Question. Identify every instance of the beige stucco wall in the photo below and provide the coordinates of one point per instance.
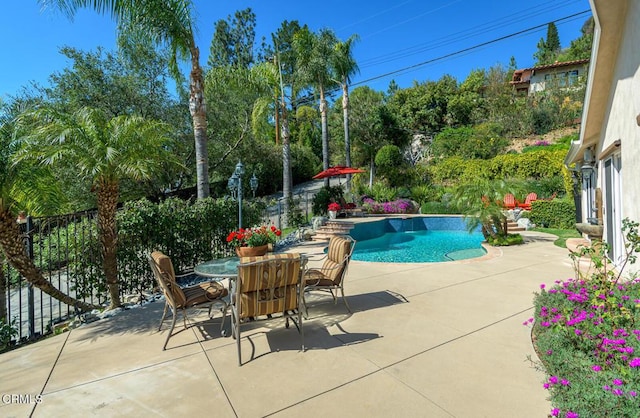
(538, 82)
(624, 106)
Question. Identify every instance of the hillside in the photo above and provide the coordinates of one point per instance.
(517, 144)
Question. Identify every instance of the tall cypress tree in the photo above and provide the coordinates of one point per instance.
(549, 49)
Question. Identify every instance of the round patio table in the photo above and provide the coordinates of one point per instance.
(223, 268)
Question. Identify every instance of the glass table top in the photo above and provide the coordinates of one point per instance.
(220, 267)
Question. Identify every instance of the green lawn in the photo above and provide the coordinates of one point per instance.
(562, 234)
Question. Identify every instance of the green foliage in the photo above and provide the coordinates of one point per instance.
(528, 166)
(390, 164)
(7, 332)
(295, 217)
(233, 40)
(504, 241)
(556, 213)
(189, 232)
(480, 142)
(382, 193)
(452, 170)
(443, 207)
(548, 49)
(325, 196)
(304, 163)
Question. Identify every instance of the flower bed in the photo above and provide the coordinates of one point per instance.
(397, 206)
(587, 334)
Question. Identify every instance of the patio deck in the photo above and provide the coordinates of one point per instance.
(434, 340)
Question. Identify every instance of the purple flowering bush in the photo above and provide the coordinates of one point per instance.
(587, 335)
(397, 206)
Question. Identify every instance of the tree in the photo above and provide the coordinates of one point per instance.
(164, 22)
(131, 81)
(344, 65)
(233, 40)
(580, 48)
(28, 187)
(104, 150)
(549, 49)
(314, 52)
(481, 203)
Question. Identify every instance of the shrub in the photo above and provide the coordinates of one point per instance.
(587, 336)
(325, 196)
(505, 240)
(443, 208)
(556, 213)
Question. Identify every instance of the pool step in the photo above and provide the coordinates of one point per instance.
(332, 228)
(513, 227)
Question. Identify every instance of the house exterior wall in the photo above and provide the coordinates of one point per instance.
(563, 76)
(620, 119)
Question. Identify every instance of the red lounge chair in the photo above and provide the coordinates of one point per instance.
(527, 201)
(509, 201)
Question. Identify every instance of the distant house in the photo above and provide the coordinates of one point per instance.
(559, 74)
(610, 129)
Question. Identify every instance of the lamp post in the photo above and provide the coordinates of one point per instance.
(235, 187)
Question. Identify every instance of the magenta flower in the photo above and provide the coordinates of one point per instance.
(571, 414)
(555, 412)
(635, 362)
(565, 382)
(553, 380)
(542, 286)
(618, 382)
(596, 368)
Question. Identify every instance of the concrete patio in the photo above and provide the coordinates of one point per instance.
(431, 340)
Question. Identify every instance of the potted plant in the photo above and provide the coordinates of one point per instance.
(250, 242)
(333, 209)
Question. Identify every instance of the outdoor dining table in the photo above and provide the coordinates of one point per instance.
(220, 268)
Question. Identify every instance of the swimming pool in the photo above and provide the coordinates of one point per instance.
(418, 239)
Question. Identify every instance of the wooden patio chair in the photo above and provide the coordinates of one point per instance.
(527, 201)
(265, 286)
(181, 299)
(331, 275)
(509, 201)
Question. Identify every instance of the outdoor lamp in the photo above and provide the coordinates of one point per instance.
(253, 183)
(235, 187)
(586, 169)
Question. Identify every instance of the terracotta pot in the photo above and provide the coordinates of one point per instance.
(252, 251)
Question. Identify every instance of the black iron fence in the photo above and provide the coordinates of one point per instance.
(55, 245)
(66, 249)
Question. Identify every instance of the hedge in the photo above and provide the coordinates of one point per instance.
(556, 213)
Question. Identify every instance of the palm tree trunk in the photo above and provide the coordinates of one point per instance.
(3, 292)
(107, 200)
(347, 141)
(13, 247)
(286, 162)
(325, 134)
(198, 110)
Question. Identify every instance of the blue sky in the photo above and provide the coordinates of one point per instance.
(393, 35)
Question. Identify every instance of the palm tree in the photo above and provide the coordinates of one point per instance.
(481, 203)
(104, 151)
(344, 66)
(314, 52)
(28, 187)
(165, 22)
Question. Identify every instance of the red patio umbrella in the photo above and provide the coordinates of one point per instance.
(338, 170)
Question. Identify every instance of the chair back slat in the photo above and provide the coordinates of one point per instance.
(267, 284)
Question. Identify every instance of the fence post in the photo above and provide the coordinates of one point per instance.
(28, 242)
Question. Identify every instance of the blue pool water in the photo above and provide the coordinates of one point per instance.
(416, 240)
